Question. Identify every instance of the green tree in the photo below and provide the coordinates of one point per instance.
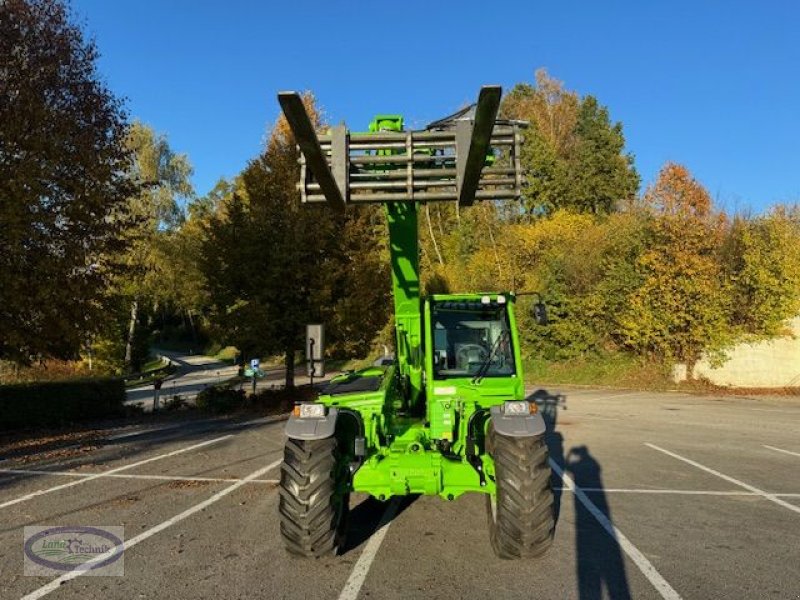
(573, 155)
(64, 182)
(273, 265)
(163, 180)
(600, 173)
(762, 260)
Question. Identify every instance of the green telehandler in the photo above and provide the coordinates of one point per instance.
(449, 415)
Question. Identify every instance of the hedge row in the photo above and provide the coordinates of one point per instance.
(60, 402)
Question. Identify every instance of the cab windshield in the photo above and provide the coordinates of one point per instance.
(470, 339)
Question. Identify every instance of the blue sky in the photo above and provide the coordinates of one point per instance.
(713, 85)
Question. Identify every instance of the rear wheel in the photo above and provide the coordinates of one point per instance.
(521, 518)
(313, 515)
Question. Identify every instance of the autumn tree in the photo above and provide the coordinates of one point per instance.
(182, 280)
(162, 177)
(681, 308)
(64, 182)
(573, 155)
(273, 265)
(762, 262)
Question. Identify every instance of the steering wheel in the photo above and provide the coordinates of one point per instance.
(469, 353)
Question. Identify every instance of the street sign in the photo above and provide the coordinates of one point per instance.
(315, 350)
(254, 362)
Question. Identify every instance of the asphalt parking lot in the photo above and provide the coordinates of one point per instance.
(659, 496)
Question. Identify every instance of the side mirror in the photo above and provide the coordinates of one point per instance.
(315, 350)
(539, 313)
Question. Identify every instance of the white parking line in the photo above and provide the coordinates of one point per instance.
(122, 436)
(661, 491)
(639, 559)
(623, 395)
(589, 490)
(134, 476)
(747, 486)
(773, 410)
(127, 545)
(782, 450)
(116, 470)
(361, 568)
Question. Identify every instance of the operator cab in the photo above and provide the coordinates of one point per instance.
(471, 337)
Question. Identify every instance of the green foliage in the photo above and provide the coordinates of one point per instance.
(64, 183)
(155, 276)
(682, 307)
(152, 274)
(271, 266)
(60, 402)
(666, 280)
(763, 265)
(574, 156)
(105, 265)
(220, 400)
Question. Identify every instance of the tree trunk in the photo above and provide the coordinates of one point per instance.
(439, 219)
(496, 255)
(191, 325)
(433, 236)
(289, 362)
(152, 315)
(131, 332)
(690, 365)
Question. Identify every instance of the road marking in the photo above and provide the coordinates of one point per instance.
(775, 410)
(116, 470)
(662, 491)
(747, 486)
(135, 476)
(674, 492)
(127, 545)
(782, 450)
(263, 420)
(138, 432)
(623, 395)
(361, 568)
(639, 559)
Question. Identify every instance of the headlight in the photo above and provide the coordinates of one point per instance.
(309, 411)
(519, 407)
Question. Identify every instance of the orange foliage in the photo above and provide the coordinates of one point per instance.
(677, 192)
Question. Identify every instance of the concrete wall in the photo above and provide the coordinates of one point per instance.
(766, 364)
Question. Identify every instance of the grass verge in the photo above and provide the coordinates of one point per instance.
(607, 370)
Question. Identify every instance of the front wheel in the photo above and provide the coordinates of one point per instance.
(313, 516)
(521, 517)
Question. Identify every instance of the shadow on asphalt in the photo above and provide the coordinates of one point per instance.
(133, 496)
(365, 518)
(94, 452)
(549, 405)
(600, 569)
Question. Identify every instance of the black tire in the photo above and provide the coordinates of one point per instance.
(313, 517)
(521, 517)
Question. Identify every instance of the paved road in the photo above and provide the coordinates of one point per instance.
(663, 496)
(197, 372)
(194, 374)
